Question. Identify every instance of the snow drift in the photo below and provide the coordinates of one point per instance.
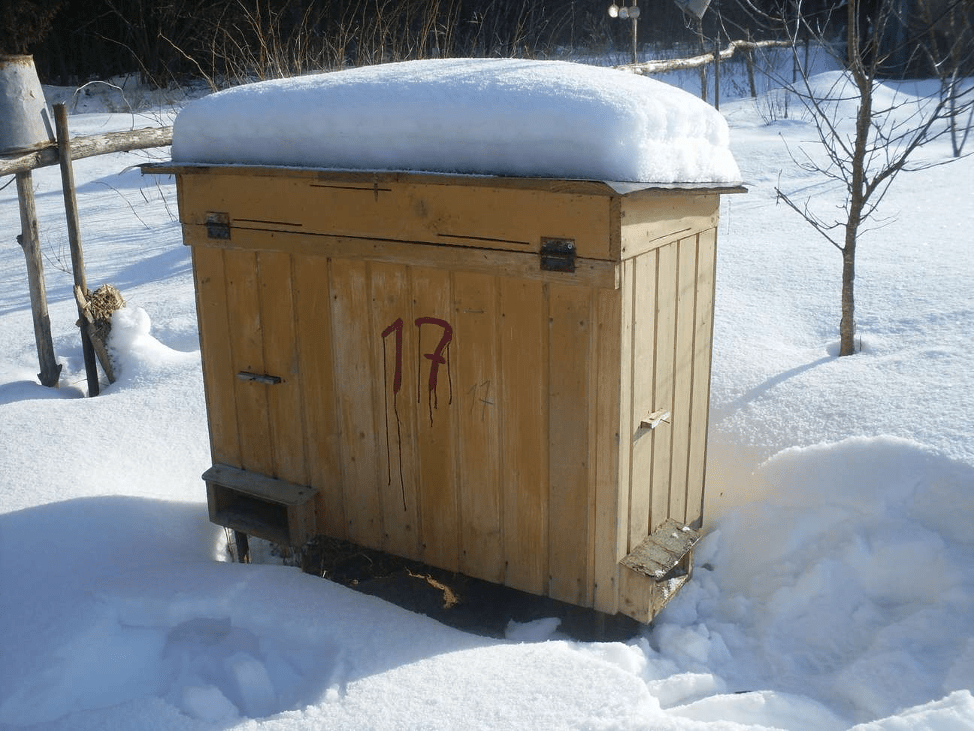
(479, 116)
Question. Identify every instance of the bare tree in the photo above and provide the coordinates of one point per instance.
(863, 153)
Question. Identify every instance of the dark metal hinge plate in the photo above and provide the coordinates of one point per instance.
(217, 225)
(558, 255)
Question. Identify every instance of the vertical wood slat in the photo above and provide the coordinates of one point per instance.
(480, 494)
(247, 349)
(434, 426)
(354, 379)
(312, 301)
(643, 348)
(214, 330)
(700, 399)
(568, 430)
(284, 406)
(683, 376)
(662, 436)
(395, 407)
(522, 342)
(639, 287)
(610, 514)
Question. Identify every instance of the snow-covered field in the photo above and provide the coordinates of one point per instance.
(835, 587)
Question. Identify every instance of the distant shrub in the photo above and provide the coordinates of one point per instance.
(24, 23)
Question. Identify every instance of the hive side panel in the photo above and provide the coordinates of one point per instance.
(662, 436)
(247, 349)
(480, 496)
(569, 313)
(700, 396)
(312, 298)
(432, 349)
(284, 405)
(683, 377)
(392, 326)
(643, 303)
(211, 309)
(611, 488)
(523, 346)
(354, 380)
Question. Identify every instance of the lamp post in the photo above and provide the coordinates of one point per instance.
(630, 12)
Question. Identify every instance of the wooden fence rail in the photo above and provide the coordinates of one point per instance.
(661, 66)
(136, 139)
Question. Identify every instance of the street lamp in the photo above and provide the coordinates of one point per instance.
(630, 12)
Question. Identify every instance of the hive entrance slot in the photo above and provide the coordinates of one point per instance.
(265, 507)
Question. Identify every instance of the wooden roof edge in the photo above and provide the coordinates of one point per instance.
(372, 177)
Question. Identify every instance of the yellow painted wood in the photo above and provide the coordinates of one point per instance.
(642, 354)
(683, 375)
(395, 407)
(588, 272)
(284, 404)
(481, 496)
(355, 380)
(610, 523)
(214, 329)
(312, 302)
(523, 399)
(700, 398)
(569, 317)
(432, 346)
(649, 222)
(448, 399)
(460, 215)
(662, 436)
(247, 349)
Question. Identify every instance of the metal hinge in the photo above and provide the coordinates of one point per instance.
(558, 255)
(217, 225)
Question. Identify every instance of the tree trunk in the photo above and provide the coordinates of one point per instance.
(847, 325)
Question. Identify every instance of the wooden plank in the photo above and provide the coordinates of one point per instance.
(312, 304)
(569, 313)
(636, 595)
(643, 357)
(284, 404)
(523, 346)
(700, 397)
(683, 374)
(480, 496)
(431, 346)
(247, 351)
(218, 374)
(588, 272)
(662, 436)
(257, 485)
(355, 378)
(459, 215)
(611, 485)
(662, 550)
(650, 222)
(395, 407)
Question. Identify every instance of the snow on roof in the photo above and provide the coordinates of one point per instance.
(470, 116)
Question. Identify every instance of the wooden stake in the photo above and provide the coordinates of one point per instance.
(74, 238)
(30, 242)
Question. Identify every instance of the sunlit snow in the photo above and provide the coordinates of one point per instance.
(835, 586)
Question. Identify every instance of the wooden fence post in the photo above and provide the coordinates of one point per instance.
(30, 242)
(74, 239)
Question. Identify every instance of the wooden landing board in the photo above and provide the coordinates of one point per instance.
(662, 551)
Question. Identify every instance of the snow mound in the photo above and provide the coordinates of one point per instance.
(469, 116)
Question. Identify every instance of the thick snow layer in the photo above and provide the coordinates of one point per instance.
(482, 116)
(835, 586)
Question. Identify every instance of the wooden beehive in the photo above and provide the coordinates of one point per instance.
(503, 377)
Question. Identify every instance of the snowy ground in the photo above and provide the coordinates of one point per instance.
(836, 585)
